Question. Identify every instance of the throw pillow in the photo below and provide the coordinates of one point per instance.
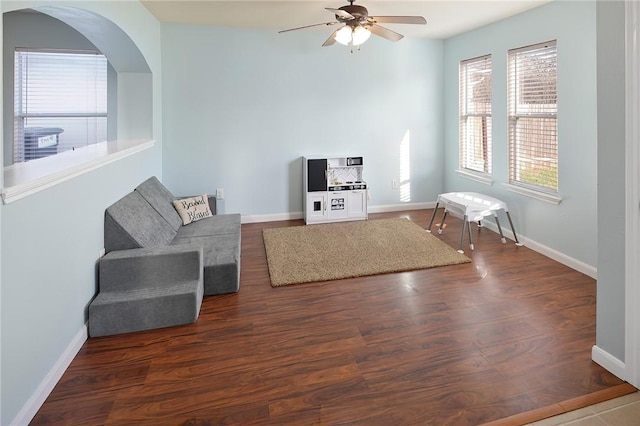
(193, 209)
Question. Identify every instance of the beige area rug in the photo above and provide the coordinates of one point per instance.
(333, 251)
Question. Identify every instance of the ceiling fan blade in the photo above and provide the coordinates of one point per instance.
(308, 26)
(341, 13)
(332, 38)
(397, 20)
(384, 32)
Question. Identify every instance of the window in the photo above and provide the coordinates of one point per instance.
(475, 115)
(60, 102)
(533, 122)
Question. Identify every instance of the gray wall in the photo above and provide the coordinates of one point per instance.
(243, 106)
(50, 241)
(610, 326)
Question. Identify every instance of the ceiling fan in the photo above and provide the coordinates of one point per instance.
(357, 25)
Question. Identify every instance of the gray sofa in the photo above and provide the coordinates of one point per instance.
(157, 270)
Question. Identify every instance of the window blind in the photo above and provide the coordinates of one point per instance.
(60, 102)
(475, 114)
(533, 124)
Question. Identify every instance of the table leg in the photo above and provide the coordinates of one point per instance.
(444, 216)
(471, 246)
(502, 238)
(464, 224)
(433, 216)
(515, 237)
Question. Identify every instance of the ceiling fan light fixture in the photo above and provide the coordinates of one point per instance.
(352, 35)
(360, 35)
(343, 35)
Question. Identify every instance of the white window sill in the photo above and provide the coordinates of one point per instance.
(542, 196)
(478, 177)
(24, 179)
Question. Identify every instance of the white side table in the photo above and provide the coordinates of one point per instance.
(471, 207)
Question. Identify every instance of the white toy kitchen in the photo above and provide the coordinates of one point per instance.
(333, 189)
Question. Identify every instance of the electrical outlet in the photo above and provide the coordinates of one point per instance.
(220, 193)
(394, 184)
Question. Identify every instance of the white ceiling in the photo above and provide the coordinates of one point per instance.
(445, 18)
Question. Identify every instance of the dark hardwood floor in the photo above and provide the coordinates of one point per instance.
(506, 335)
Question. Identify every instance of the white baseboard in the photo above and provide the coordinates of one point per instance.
(546, 251)
(572, 263)
(31, 407)
(401, 207)
(372, 209)
(608, 362)
(271, 217)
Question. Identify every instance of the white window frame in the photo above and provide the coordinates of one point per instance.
(533, 102)
(49, 99)
(475, 130)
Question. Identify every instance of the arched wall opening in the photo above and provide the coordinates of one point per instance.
(130, 100)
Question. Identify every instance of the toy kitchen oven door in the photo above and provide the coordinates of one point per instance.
(337, 205)
(347, 201)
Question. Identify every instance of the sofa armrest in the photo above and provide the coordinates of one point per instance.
(212, 204)
(150, 267)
